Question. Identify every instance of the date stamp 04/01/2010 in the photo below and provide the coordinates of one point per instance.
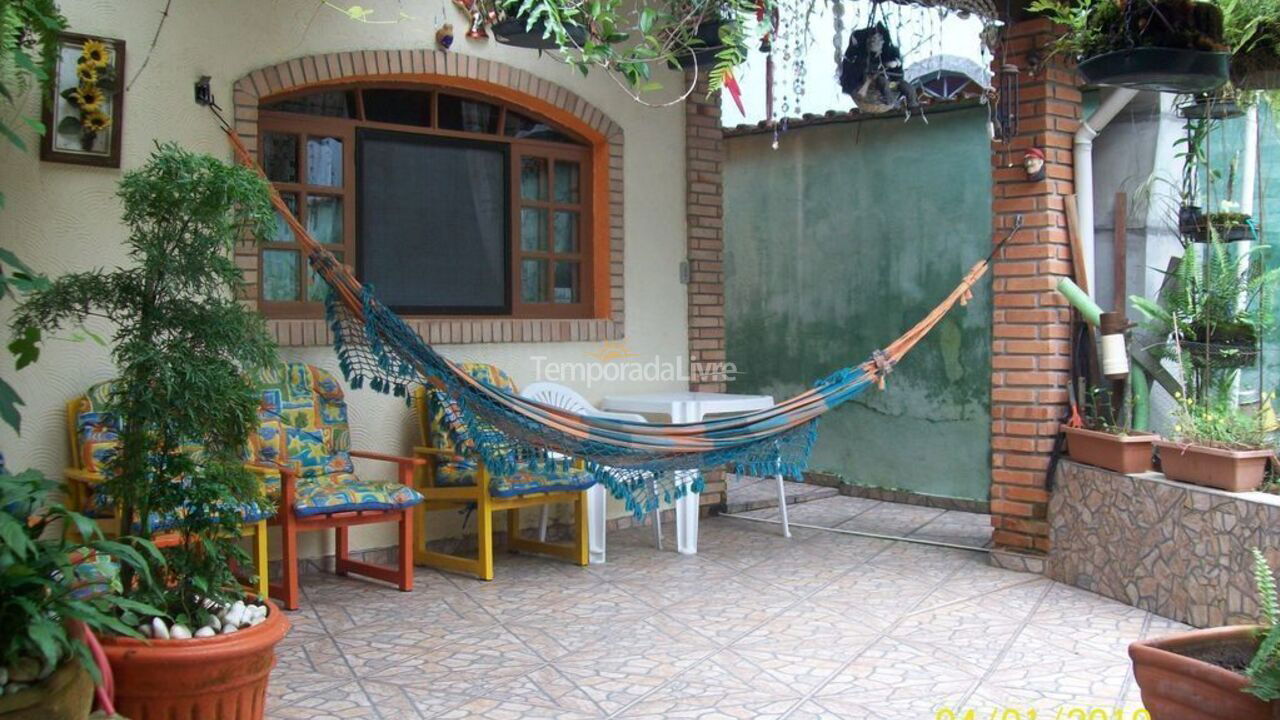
(1064, 712)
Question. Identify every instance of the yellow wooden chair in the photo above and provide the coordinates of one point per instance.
(450, 480)
(92, 435)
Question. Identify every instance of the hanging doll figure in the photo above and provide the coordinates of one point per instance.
(872, 72)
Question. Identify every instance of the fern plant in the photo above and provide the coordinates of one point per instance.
(1264, 669)
(1211, 314)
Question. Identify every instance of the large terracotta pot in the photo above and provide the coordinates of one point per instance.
(1234, 470)
(1118, 453)
(1177, 687)
(223, 677)
(67, 694)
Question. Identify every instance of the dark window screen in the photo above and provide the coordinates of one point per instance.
(433, 222)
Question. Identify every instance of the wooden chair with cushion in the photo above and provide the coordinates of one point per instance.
(451, 480)
(93, 435)
(304, 442)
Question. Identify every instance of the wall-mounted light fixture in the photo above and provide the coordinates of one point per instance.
(204, 91)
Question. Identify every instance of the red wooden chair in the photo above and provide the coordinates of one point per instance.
(302, 448)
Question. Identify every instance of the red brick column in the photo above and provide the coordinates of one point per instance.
(704, 208)
(1031, 328)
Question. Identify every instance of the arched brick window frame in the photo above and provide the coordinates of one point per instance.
(501, 81)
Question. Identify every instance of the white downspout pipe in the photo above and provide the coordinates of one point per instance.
(1249, 166)
(1111, 105)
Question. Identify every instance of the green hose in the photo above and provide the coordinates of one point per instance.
(1081, 301)
(1140, 390)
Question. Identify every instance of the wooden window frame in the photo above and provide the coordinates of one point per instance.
(584, 153)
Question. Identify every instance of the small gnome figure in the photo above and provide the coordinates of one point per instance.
(444, 36)
(1033, 162)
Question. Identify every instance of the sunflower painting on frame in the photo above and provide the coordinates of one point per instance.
(82, 116)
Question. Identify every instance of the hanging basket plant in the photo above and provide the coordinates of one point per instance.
(1255, 64)
(516, 32)
(1163, 45)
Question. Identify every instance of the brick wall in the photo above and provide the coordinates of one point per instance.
(1030, 338)
(704, 164)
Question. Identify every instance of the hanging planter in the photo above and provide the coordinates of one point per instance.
(1158, 69)
(1226, 346)
(516, 33)
(1215, 106)
(704, 54)
(1226, 226)
(1172, 46)
(1255, 65)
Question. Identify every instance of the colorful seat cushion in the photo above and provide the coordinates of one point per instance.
(344, 492)
(446, 425)
(524, 481)
(303, 421)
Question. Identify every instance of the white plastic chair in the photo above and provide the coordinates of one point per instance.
(565, 398)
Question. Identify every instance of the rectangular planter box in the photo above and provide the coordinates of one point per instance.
(1126, 454)
(1233, 470)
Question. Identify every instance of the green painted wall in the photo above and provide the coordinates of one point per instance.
(836, 243)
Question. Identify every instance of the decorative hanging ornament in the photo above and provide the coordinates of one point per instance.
(476, 16)
(871, 73)
(1007, 103)
(444, 36)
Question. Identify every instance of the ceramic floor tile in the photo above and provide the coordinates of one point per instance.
(822, 625)
(828, 512)
(892, 519)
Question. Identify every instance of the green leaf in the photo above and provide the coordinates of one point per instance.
(70, 125)
(14, 536)
(26, 347)
(647, 16)
(8, 132)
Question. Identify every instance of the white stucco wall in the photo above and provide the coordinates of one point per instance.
(60, 218)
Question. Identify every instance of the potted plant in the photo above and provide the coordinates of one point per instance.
(1166, 45)
(1227, 673)
(1210, 314)
(183, 407)
(1252, 28)
(1217, 444)
(1106, 440)
(518, 27)
(48, 585)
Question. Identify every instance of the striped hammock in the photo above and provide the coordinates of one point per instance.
(376, 347)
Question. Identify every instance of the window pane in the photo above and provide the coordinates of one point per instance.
(335, 103)
(324, 161)
(567, 182)
(533, 229)
(533, 280)
(533, 178)
(324, 218)
(519, 126)
(403, 107)
(468, 115)
(284, 233)
(280, 275)
(566, 230)
(566, 282)
(435, 222)
(280, 157)
(318, 289)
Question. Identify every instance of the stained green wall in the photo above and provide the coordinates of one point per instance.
(835, 244)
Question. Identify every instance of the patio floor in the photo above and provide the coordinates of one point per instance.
(823, 625)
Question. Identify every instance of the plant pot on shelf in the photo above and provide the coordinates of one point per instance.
(67, 694)
(224, 676)
(516, 33)
(1233, 470)
(1182, 676)
(1160, 69)
(1119, 453)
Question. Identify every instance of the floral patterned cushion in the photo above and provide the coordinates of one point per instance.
(303, 420)
(524, 481)
(446, 422)
(344, 492)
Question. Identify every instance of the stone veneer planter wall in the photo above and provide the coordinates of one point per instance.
(1178, 550)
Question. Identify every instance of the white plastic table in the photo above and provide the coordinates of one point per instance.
(691, 407)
